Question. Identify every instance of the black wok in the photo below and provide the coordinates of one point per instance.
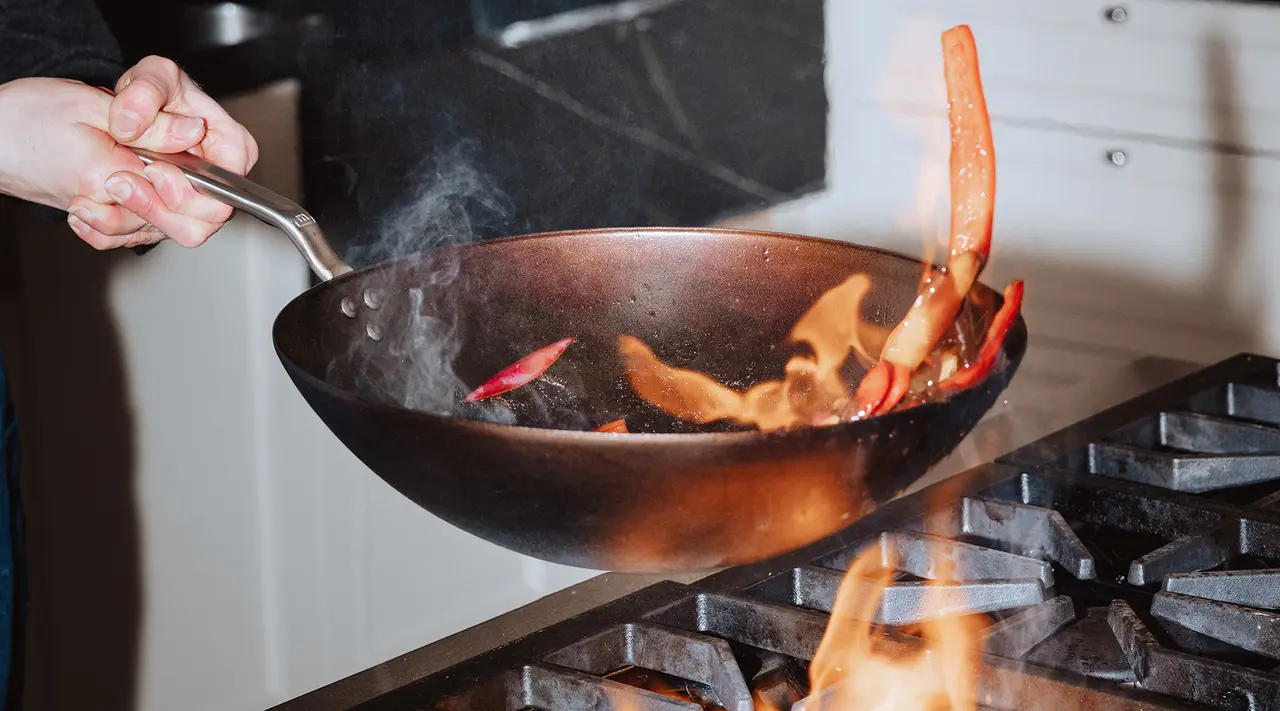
(368, 349)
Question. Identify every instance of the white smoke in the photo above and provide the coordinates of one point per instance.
(413, 365)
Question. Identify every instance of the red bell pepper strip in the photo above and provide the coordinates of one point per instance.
(615, 427)
(973, 192)
(881, 389)
(992, 341)
(520, 372)
(973, 157)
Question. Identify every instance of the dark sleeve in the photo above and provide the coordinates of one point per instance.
(57, 38)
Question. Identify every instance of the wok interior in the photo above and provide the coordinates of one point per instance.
(719, 302)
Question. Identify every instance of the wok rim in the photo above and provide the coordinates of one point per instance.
(1016, 336)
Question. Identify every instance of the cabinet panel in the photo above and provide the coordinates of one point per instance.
(1193, 71)
(1172, 250)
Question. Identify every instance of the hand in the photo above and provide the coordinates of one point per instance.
(62, 144)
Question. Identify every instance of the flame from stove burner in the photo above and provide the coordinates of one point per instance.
(853, 671)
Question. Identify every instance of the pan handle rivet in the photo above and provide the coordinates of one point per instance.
(374, 331)
(371, 299)
(349, 306)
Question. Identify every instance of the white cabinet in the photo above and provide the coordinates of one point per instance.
(1185, 70)
(1172, 251)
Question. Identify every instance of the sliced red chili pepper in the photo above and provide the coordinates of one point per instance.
(880, 390)
(973, 157)
(992, 341)
(520, 372)
(615, 427)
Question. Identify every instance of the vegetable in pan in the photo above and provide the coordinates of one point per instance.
(911, 366)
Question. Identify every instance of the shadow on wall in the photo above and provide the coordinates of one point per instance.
(78, 468)
(1231, 178)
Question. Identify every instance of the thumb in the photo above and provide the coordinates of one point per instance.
(137, 116)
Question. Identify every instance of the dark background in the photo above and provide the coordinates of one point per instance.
(411, 110)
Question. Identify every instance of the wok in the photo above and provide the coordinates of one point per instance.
(385, 353)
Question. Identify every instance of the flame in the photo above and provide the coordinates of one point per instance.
(851, 671)
(896, 96)
(854, 669)
(812, 390)
(811, 393)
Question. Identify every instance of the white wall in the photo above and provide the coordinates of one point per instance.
(1174, 251)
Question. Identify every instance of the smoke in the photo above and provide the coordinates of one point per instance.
(450, 200)
(413, 365)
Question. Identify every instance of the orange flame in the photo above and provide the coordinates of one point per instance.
(851, 671)
(855, 669)
(812, 390)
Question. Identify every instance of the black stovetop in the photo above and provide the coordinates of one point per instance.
(1127, 562)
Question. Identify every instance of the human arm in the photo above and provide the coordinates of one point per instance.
(63, 142)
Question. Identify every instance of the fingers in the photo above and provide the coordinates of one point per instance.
(103, 242)
(109, 226)
(156, 106)
(143, 112)
(107, 218)
(178, 194)
(171, 133)
(231, 147)
(142, 93)
(156, 88)
(138, 195)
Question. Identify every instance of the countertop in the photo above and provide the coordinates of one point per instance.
(1058, 384)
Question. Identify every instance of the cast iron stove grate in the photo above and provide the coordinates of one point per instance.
(1130, 561)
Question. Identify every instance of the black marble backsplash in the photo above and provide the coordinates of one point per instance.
(417, 122)
(699, 110)
(491, 15)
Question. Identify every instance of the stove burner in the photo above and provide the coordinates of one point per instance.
(707, 662)
(902, 603)
(1015, 636)
(918, 554)
(540, 687)
(1128, 562)
(1236, 607)
(1211, 548)
(1207, 681)
(1030, 531)
(1255, 588)
(1189, 452)
(1087, 648)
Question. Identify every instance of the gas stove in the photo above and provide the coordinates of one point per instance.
(1129, 561)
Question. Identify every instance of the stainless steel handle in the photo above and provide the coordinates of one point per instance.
(275, 210)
